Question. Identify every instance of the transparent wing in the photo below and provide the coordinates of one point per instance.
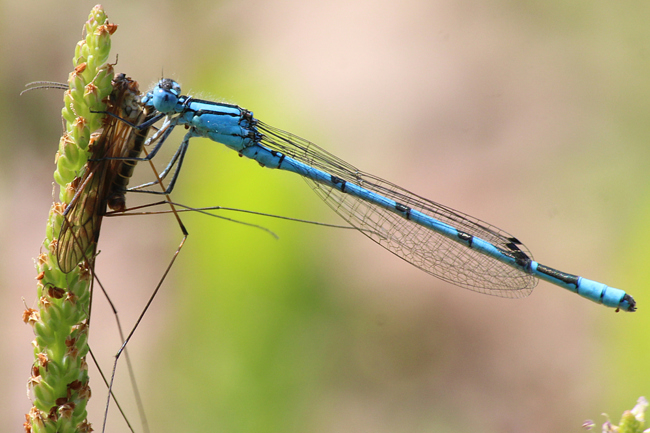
(83, 216)
(420, 246)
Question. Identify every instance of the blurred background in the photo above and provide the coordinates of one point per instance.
(531, 115)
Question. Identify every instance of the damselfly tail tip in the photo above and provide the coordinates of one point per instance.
(627, 304)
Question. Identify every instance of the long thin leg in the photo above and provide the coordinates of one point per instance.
(166, 129)
(178, 156)
(91, 268)
(143, 125)
(151, 298)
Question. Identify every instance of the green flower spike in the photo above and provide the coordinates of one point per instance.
(59, 380)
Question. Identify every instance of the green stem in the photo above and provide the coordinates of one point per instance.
(59, 380)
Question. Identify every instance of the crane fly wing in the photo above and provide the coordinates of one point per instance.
(83, 216)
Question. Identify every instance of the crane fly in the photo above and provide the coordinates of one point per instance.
(103, 182)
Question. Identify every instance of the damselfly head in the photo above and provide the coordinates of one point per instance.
(164, 96)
